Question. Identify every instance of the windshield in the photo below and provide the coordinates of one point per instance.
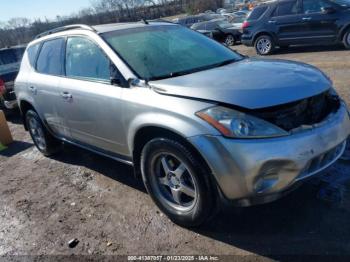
(165, 51)
(345, 3)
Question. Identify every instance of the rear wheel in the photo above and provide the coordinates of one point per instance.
(43, 140)
(264, 45)
(177, 182)
(230, 40)
(346, 39)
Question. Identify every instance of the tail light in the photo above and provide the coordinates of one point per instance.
(2, 87)
(245, 24)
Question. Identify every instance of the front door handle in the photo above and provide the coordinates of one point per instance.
(66, 96)
(272, 22)
(307, 18)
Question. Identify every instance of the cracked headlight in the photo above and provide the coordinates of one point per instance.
(234, 124)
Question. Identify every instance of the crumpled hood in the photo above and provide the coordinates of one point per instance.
(251, 83)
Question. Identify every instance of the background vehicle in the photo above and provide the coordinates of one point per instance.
(173, 103)
(188, 21)
(297, 22)
(220, 30)
(10, 59)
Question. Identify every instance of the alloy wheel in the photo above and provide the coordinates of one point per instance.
(230, 40)
(37, 133)
(173, 182)
(264, 46)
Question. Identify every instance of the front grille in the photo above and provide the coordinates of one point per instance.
(322, 161)
(306, 112)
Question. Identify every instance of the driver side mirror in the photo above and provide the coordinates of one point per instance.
(328, 10)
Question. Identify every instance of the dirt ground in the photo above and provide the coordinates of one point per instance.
(45, 202)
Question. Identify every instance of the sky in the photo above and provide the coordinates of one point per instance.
(40, 8)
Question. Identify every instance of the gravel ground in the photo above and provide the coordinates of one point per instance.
(45, 202)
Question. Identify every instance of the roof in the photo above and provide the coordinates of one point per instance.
(104, 28)
(122, 26)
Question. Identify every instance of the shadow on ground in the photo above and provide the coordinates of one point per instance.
(298, 224)
(308, 49)
(108, 167)
(15, 148)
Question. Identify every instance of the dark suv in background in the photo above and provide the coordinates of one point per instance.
(10, 59)
(297, 22)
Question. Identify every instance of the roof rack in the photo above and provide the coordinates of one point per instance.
(65, 28)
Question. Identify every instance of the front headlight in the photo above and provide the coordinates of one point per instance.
(232, 123)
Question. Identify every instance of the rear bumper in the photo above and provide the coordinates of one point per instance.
(258, 171)
(9, 98)
(247, 40)
(11, 104)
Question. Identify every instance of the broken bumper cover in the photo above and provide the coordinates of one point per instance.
(256, 171)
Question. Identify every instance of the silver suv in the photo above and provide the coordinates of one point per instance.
(199, 121)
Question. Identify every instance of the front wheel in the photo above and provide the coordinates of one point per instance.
(178, 182)
(346, 39)
(264, 45)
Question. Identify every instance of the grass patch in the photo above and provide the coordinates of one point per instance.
(2, 147)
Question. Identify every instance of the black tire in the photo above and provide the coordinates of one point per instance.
(230, 40)
(203, 207)
(47, 145)
(346, 39)
(264, 45)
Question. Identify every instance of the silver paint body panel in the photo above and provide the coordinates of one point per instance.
(108, 117)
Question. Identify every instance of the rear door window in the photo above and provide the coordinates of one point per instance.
(85, 60)
(50, 60)
(257, 13)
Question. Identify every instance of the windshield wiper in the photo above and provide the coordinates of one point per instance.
(191, 71)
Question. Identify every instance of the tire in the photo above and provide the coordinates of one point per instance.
(230, 40)
(346, 39)
(183, 192)
(264, 45)
(43, 140)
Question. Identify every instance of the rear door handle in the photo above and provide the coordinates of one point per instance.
(307, 18)
(66, 96)
(33, 90)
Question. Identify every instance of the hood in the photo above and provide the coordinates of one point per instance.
(251, 83)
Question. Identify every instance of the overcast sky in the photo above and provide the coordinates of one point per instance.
(39, 8)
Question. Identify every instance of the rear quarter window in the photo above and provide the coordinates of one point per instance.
(257, 13)
(50, 60)
(32, 53)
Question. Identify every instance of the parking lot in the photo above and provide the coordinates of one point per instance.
(48, 201)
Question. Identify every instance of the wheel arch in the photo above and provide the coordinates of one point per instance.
(24, 107)
(343, 31)
(263, 33)
(147, 133)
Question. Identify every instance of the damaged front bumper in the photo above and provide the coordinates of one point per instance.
(256, 171)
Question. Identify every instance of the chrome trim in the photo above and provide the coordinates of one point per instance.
(307, 37)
